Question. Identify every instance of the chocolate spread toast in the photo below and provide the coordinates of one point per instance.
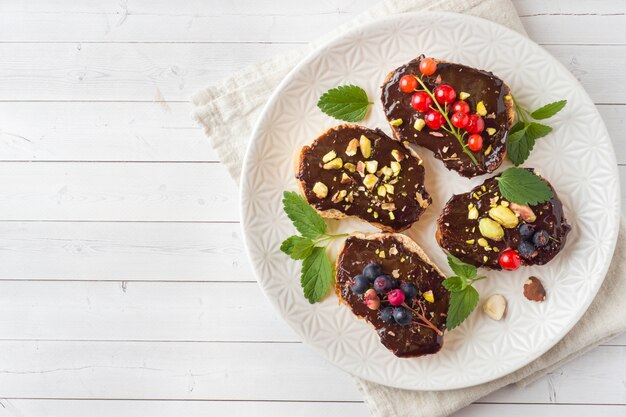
(478, 226)
(387, 279)
(350, 170)
(482, 96)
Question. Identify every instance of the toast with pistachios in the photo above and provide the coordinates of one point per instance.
(462, 114)
(351, 170)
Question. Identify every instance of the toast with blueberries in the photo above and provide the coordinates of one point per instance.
(483, 229)
(388, 280)
(350, 170)
(462, 114)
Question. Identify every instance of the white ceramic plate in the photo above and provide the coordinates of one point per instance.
(577, 158)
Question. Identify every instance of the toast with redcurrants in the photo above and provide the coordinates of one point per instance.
(484, 229)
(388, 280)
(350, 170)
(462, 114)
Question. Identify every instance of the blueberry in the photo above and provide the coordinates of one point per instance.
(526, 231)
(527, 250)
(361, 284)
(395, 284)
(371, 271)
(402, 316)
(386, 315)
(409, 290)
(382, 283)
(541, 238)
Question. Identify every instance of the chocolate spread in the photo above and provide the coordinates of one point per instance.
(403, 198)
(404, 341)
(455, 229)
(481, 86)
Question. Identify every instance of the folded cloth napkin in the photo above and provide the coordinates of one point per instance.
(238, 100)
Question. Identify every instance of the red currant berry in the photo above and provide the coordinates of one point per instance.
(459, 120)
(395, 297)
(421, 101)
(510, 259)
(408, 84)
(434, 120)
(428, 66)
(460, 106)
(445, 94)
(476, 124)
(475, 142)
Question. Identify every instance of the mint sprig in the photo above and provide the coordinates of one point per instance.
(463, 296)
(346, 102)
(525, 132)
(317, 270)
(522, 186)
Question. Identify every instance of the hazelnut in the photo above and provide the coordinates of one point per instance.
(526, 213)
(352, 147)
(504, 216)
(534, 290)
(490, 229)
(320, 189)
(495, 306)
(366, 146)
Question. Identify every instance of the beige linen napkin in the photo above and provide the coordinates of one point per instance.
(238, 101)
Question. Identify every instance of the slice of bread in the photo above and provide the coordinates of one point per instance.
(401, 258)
(350, 170)
(459, 233)
(480, 87)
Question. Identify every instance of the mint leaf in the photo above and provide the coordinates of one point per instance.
(317, 275)
(537, 130)
(297, 247)
(518, 146)
(521, 186)
(462, 303)
(304, 217)
(463, 270)
(454, 283)
(346, 102)
(548, 110)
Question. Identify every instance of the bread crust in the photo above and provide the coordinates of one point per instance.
(334, 213)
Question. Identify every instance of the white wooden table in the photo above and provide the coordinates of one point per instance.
(124, 287)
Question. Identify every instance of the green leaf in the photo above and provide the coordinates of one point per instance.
(317, 275)
(304, 217)
(462, 303)
(537, 130)
(346, 102)
(463, 270)
(454, 283)
(519, 145)
(548, 110)
(297, 247)
(521, 186)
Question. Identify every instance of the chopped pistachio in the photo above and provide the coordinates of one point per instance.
(485, 258)
(483, 242)
(360, 168)
(419, 124)
(371, 166)
(376, 216)
(382, 252)
(370, 181)
(472, 214)
(389, 188)
(402, 259)
(352, 147)
(387, 171)
(395, 167)
(490, 131)
(429, 296)
(488, 150)
(482, 187)
(381, 190)
(396, 122)
(392, 217)
(366, 146)
(470, 241)
(463, 95)
(388, 206)
(508, 97)
(481, 110)
(320, 189)
(345, 178)
(369, 210)
(329, 156)
(504, 203)
(336, 163)
(350, 166)
(339, 196)
(397, 155)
